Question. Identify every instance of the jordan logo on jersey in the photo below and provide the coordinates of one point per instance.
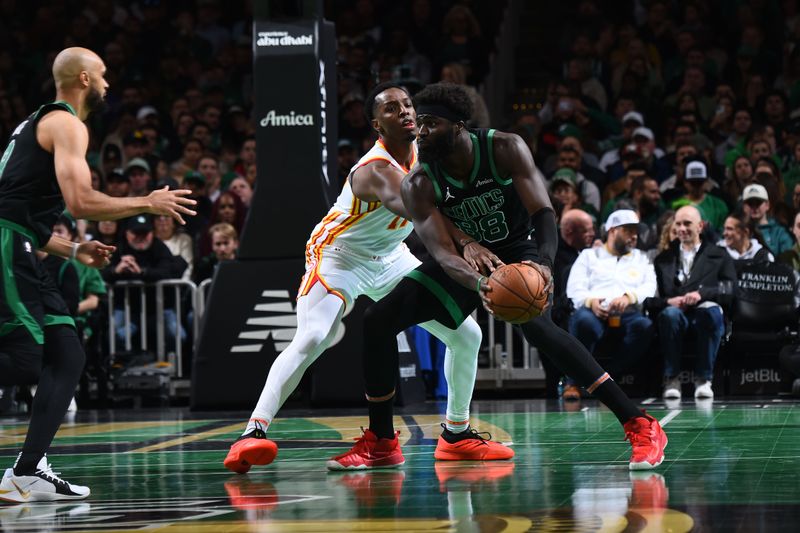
(28, 247)
(448, 196)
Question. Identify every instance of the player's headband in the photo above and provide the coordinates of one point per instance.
(440, 111)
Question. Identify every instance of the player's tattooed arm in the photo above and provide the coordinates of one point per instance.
(430, 224)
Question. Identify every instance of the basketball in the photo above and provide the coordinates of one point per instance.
(518, 293)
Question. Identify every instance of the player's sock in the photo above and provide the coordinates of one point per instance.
(608, 392)
(380, 418)
(572, 358)
(460, 368)
(62, 367)
(456, 426)
(256, 423)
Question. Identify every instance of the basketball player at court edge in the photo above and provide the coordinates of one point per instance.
(43, 166)
(488, 185)
(358, 249)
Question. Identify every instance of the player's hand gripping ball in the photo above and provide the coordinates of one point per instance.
(518, 293)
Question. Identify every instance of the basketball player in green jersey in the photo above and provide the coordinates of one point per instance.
(43, 166)
(487, 184)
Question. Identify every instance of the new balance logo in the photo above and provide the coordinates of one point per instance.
(277, 320)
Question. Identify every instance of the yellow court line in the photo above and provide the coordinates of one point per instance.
(79, 430)
(189, 438)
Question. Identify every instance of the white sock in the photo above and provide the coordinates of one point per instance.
(318, 318)
(256, 423)
(460, 368)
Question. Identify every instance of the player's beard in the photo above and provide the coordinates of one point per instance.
(438, 149)
(95, 101)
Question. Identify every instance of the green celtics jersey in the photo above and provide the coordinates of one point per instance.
(486, 207)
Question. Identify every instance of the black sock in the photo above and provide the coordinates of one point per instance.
(572, 358)
(610, 394)
(452, 437)
(380, 419)
(26, 463)
(63, 365)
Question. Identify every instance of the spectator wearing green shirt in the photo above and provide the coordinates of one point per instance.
(757, 207)
(712, 209)
(90, 283)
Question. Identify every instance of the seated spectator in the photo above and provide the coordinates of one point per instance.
(564, 188)
(179, 243)
(790, 363)
(224, 244)
(229, 209)
(740, 175)
(576, 232)
(108, 232)
(743, 242)
(138, 172)
(607, 285)
(569, 157)
(646, 198)
(241, 188)
(457, 74)
(792, 257)
(712, 209)
(90, 283)
(757, 207)
(694, 278)
(618, 193)
(118, 184)
(645, 142)
(143, 257)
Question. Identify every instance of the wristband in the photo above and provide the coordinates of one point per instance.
(74, 253)
(480, 280)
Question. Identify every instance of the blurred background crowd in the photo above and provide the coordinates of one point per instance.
(649, 106)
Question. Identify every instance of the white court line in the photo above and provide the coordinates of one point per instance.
(648, 401)
(672, 414)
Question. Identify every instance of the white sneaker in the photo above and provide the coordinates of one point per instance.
(672, 389)
(702, 389)
(42, 485)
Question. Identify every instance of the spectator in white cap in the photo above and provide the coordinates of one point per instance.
(630, 121)
(607, 285)
(694, 278)
(653, 157)
(712, 209)
(755, 202)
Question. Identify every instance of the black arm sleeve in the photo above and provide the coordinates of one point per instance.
(546, 235)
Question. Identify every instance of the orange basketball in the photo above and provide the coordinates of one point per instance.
(518, 293)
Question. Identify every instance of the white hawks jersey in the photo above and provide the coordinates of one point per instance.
(366, 228)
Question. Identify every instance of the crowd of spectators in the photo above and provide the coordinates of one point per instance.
(685, 115)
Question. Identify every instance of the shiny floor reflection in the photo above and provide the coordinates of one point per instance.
(730, 466)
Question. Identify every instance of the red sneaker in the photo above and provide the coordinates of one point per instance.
(253, 448)
(369, 452)
(373, 489)
(469, 445)
(648, 441)
(454, 476)
(648, 491)
(245, 494)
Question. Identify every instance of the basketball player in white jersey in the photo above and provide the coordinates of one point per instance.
(358, 249)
